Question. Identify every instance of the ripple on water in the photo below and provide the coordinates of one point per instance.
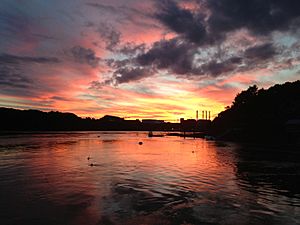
(164, 181)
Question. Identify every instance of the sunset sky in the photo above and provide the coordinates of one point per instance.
(161, 59)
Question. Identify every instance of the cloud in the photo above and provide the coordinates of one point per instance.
(148, 44)
(103, 7)
(182, 21)
(261, 52)
(180, 57)
(127, 74)
(7, 58)
(131, 49)
(110, 36)
(174, 55)
(213, 19)
(116, 64)
(85, 56)
(12, 77)
(253, 57)
(14, 81)
(209, 26)
(215, 68)
(260, 17)
(124, 74)
(59, 98)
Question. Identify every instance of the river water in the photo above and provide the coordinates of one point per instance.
(109, 178)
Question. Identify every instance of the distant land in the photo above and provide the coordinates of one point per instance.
(35, 120)
(255, 115)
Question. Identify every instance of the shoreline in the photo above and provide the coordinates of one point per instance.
(188, 135)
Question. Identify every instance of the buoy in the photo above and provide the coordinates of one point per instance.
(193, 151)
(91, 164)
(88, 158)
(140, 143)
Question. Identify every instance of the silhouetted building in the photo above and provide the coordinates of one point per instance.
(188, 125)
(203, 125)
(194, 125)
(151, 121)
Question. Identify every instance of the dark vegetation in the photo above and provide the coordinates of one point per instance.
(255, 115)
(261, 115)
(35, 120)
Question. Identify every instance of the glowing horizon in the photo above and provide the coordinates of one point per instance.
(142, 59)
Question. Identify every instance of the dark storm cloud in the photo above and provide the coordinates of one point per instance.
(131, 49)
(253, 57)
(175, 55)
(7, 58)
(261, 52)
(178, 57)
(127, 74)
(206, 26)
(84, 56)
(260, 17)
(182, 21)
(198, 26)
(124, 74)
(215, 68)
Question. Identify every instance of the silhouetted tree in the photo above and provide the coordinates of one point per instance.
(245, 96)
(258, 114)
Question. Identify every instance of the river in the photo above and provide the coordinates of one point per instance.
(111, 178)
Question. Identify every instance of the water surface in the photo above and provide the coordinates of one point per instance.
(109, 178)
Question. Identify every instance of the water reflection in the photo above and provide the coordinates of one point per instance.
(271, 181)
(108, 178)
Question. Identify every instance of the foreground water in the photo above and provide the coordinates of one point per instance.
(109, 178)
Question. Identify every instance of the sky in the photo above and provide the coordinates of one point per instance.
(139, 59)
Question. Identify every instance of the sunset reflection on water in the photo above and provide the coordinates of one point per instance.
(108, 178)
